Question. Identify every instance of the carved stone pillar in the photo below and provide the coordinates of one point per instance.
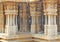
(35, 11)
(33, 16)
(11, 18)
(23, 17)
(50, 12)
(1, 18)
(38, 14)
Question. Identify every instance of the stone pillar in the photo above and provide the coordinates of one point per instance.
(21, 16)
(25, 17)
(50, 12)
(38, 14)
(11, 18)
(35, 11)
(1, 18)
(33, 17)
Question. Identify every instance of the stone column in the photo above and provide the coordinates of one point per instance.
(38, 14)
(21, 16)
(33, 17)
(1, 18)
(50, 12)
(25, 28)
(11, 18)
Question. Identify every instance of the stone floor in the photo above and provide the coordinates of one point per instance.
(30, 41)
(28, 38)
(48, 41)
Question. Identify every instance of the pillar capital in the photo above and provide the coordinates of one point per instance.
(10, 8)
(50, 7)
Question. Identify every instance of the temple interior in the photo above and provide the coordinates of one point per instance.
(29, 20)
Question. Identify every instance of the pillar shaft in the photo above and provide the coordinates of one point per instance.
(1, 18)
(38, 24)
(23, 17)
(38, 16)
(11, 24)
(33, 16)
(46, 20)
(33, 25)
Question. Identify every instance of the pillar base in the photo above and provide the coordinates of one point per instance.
(33, 28)
(50, 31)
(10, 30)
